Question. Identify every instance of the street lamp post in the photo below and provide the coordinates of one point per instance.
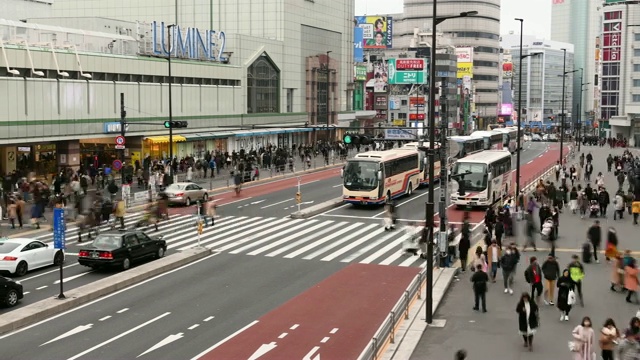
(430, 210)
(563, 114)
(169, 30)
(328, 92)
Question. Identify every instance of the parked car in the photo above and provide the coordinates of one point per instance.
(526, 137)
(536, 137)
(552, 137)
(10, 291)
(185, 193)
(19, 255)
(121, 249)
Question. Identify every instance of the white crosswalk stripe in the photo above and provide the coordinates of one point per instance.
(319, 240)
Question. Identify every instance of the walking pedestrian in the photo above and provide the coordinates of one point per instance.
(584, 339)
(551, 272)
(465, 241)
(530, 230)
(533, 276)
(480, 280)
(479, 259)
(494, 253)
(576, 270)
(629, 347)
(566, 295)
(631, 280)
(508, 263)
(594, 234)
(528, 319)
(609, 336)
(617, 273)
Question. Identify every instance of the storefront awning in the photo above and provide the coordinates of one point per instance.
(165, 139)
(296, 130)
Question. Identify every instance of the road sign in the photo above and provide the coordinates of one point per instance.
(59, 228)
(120, 147)
(117, 165)
(119, 140)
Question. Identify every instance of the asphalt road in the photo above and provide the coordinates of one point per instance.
(413, 208)
(494, 335)
(195, 306)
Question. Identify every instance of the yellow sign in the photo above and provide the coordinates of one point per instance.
(200, 228)
(298, 198)
(465, 69)
(398, 122)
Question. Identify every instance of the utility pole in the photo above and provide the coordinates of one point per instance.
(442, 208)
(169, 30)
(123, 129)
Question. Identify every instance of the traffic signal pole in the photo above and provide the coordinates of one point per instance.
(123, 125)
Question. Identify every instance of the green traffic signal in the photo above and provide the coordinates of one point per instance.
(167, 124)
(347, 139)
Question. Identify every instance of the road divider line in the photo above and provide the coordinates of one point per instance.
(335, 186)
(325, 339)
(193, 326)
(224, 340)
(283, 335)
(42, 287)
(105, 318)
(236, 201)
(208, 319)
(278, 203)
(122, 311)
(73, 277)
(119, 336)
(47, 273)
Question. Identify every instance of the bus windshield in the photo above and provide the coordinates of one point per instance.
(361, 175)
(475, 178)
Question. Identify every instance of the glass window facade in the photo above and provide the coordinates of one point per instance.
(263, 87)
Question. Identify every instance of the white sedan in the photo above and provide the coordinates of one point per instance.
(17, 256)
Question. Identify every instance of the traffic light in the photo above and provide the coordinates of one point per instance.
(347, 139)
(298, 198)
(175, 124)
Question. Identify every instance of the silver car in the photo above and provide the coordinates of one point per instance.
(185, 193)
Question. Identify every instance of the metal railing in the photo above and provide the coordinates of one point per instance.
(387, 331)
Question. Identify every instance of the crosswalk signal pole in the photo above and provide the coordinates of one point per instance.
(299, 195)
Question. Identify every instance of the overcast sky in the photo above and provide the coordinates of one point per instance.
(536, 14)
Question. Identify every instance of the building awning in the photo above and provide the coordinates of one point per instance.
(265, 131)
(165, 139)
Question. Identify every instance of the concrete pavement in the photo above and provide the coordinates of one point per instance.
(494, 335)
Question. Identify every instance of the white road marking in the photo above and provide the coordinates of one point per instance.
(106, 342)
(47, 273)
(26, 292)
(73, 277)
(193, 326)
(70, 254)
(208, 319)
(311, 353)
(283, 335)
(257, 202)
(263, 349)
(309, 182)
(123, 310)
(105, 318)
(71, 332)
(325, 339)
(335, 330)
(294, 327)
(278, 203)
(166, 341)
(233, 202)
(349, 217)
(530, 162)
(224, 340)
(42, 287)
(335, 186)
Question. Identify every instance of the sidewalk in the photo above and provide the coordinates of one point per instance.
(219, 183)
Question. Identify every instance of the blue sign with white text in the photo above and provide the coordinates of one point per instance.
(59, 228)
(358, 48)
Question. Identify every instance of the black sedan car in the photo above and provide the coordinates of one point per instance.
(10, 291)
(121, 249)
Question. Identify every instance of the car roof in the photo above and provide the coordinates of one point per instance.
(23, 241)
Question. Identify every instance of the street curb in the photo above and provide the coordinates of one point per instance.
(46, 308)
(317, 209)
(410, 331)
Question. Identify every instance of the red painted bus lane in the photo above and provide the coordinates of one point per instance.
(334, 319)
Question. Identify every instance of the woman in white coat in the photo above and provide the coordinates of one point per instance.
(584, 341)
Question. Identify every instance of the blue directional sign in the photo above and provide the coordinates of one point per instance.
(59, 227)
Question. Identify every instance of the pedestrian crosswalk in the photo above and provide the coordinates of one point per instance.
(312, 239)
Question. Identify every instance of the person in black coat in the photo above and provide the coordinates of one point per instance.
(527, 319)
(465, 241)
(490, 219)
(544, 213)
(499, 233)
(604, 200)
(564, 284)
(480, 280)
(594, 234)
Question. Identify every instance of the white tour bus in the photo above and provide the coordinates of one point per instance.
(493, 140)
(481, 179)
(376, 177)
(509, 138)
(424, 164)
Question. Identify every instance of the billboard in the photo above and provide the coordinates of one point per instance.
(397, 76)
(380, 76)
(377, 31)
(464, 54)
(361, 73)
(380, 102)
(506, 109)
(358, 40)
(507, 70)
(465, 69)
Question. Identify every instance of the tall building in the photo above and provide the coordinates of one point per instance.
(481, 32)
(619, 55)
(541, 77)
(577, 22)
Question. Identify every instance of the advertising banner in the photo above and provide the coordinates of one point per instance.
(416, 104)
(399, 134)
(507, 70)
(406, 76)
(611, 59)
(380, 76)
(358, 43)
(361, 73)
(377, 31)
(465, 69)
(410, 64)
(380, 102)
(506, 109)
(464, 54)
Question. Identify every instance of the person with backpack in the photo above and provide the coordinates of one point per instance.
(576, 271)
(533, 276)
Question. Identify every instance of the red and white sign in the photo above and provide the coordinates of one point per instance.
(119, 140)
(464, 54)
(414, 116)
(409, 64)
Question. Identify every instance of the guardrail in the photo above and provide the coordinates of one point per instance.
(387, 331)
